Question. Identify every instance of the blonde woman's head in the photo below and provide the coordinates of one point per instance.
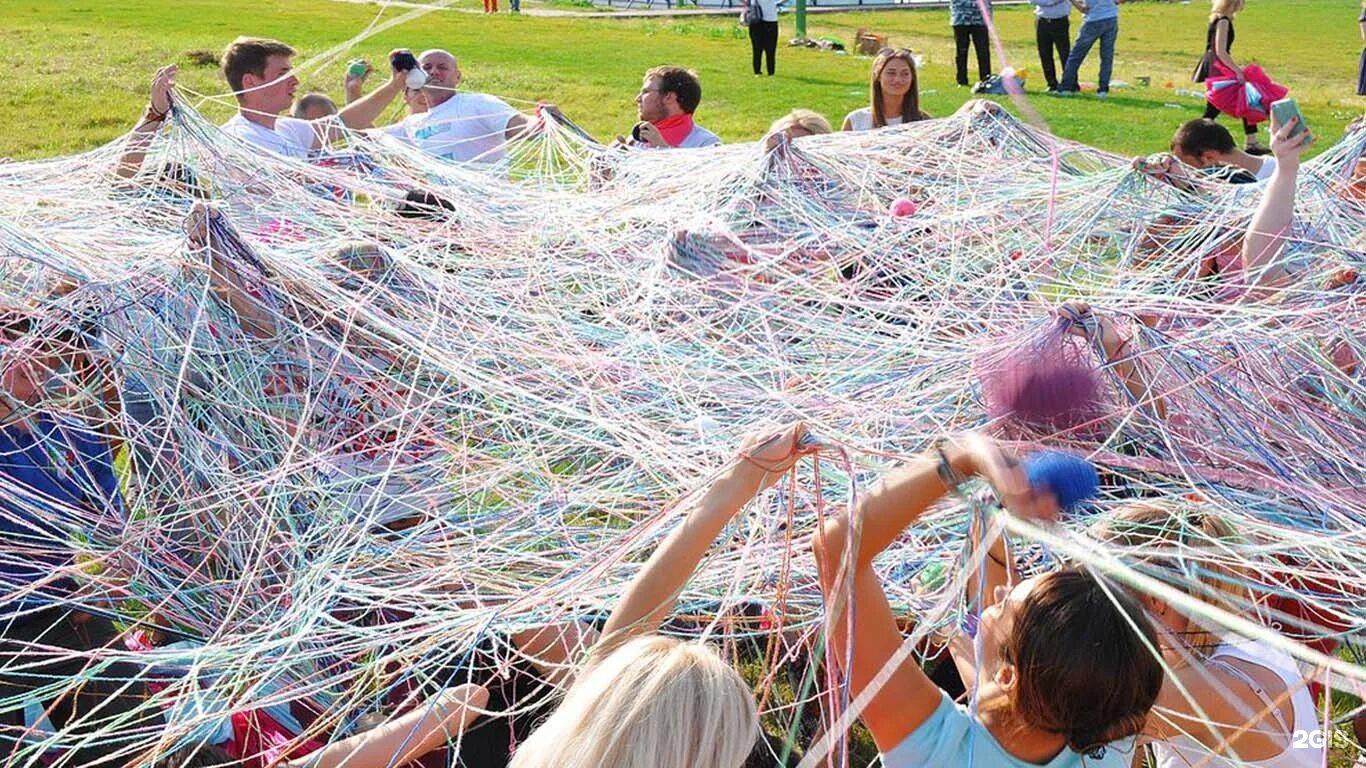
(654, 702)
(1224, 8)
(1194, 543)
(800, 122)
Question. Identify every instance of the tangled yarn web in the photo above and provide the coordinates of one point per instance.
(404, 437)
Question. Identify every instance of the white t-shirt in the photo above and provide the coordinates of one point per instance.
(1268, 168)
(862, 119)
(699, 137)
(768, 9)
(465, 127)
(291, 137)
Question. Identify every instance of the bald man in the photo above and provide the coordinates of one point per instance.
(465, 127)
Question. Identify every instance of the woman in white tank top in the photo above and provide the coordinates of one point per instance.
(1244, 702)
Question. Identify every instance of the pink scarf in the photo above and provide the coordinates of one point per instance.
(675, 129)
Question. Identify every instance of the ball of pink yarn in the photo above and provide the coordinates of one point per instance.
(1042, 390)
(903, 207)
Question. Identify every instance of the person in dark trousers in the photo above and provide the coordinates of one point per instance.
(969, 25)
(763, 33)
(1099, 23)
(1361, 70)
(1052, 31)
(1218, 42)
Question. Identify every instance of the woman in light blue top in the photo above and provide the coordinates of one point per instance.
(1066, 674)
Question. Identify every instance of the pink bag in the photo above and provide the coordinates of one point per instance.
(1251, 101)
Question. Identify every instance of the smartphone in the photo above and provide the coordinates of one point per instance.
(1285, 109)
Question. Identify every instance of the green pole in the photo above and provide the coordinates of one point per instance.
(801, 19)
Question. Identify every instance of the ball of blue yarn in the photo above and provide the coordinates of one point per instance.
(1072, 480)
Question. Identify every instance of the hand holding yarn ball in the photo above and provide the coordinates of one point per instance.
(1071, 480)
(403, 61)
(1041, 487)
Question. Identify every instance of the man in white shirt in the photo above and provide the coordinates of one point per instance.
(459, 126)
(258, 70)
(667, 100)
(1203, 143)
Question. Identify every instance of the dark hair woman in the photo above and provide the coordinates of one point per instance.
(1066, 675)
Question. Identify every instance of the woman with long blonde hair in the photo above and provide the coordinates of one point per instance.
(894, 93)
(644, 700)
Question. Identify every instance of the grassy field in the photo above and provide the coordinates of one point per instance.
(79, 68)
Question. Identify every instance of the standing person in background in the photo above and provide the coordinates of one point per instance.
(1052, 30)
(1099, 21)
(1218, 41)
(894, 93)
(763, 33)
(490, 6)
(970, 25)
(1361, 69)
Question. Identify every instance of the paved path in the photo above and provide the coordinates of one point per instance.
(627, 12)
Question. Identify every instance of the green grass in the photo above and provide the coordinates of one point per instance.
(80, 68)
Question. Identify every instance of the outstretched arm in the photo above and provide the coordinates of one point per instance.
(1265, 239)
(650, 596)
(404, 738)
(1105, 334)
(518, 127)
(159, 105)
(207, 228)
(845, 548)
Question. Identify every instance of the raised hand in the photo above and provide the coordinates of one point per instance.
(162, 84)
